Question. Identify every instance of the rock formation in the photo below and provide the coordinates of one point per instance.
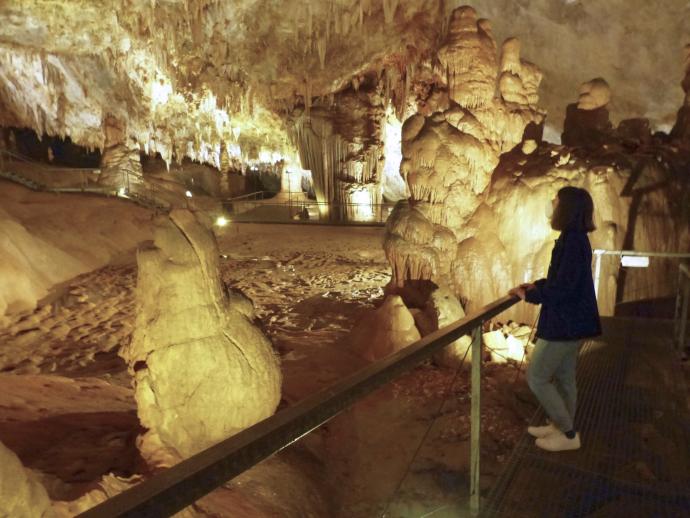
(203, 371)
(120, 163)
(639, 191)
(449, 154)
(341, 142)
(475, 221)
(385, 330)
(587, 122)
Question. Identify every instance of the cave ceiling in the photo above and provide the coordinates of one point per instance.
(187, 75)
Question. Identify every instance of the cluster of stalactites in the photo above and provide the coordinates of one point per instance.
(341, 142)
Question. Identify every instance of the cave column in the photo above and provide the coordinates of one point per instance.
(342, 144)
(120, 161)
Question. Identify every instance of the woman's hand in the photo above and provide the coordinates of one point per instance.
(521, 290)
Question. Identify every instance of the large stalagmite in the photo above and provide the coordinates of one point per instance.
(203, 371)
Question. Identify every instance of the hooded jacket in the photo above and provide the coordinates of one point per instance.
(569, 306)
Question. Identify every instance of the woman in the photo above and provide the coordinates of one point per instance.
(569, 314)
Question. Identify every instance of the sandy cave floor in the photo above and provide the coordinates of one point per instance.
(66, 405)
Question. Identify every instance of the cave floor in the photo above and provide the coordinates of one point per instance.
(66, 406)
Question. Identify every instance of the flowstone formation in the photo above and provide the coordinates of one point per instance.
(451, 148)
(450, 154)
(202, 370)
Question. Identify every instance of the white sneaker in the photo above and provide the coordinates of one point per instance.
(542, 431)
(558, 442)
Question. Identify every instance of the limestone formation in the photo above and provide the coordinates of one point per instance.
(594, 94)
(203, 371)
(444, 308)
(449, 155)
(120, 162)
(21, 495)
(385, 331)
(519, 80)
(342, 144)
(469, 58)
(587, 121)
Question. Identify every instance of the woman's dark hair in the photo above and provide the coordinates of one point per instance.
(575, 210)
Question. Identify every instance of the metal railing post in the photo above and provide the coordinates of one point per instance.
(597, 272)
(684, 311)
(476, 417)
(679, 303)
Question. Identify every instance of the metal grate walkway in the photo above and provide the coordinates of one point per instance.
(635, 427)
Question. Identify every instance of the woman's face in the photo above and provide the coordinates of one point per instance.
(551, 208)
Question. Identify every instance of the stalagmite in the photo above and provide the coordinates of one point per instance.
(202, 370)
(385, 331)
(120, 163)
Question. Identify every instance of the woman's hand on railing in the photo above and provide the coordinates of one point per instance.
(521, 290)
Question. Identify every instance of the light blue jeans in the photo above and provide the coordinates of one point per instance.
(551, 377)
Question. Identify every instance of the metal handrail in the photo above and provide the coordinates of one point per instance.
(598, 253)
(183, 484)
(48, 167)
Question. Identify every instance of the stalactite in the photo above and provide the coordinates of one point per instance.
(389, 8)
(310, 25)
(321, 49)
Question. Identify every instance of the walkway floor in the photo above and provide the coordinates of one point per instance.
(635, 426)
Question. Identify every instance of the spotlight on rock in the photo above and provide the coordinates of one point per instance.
(221, 221)
(188, 194)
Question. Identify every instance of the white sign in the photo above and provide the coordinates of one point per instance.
(635, 261)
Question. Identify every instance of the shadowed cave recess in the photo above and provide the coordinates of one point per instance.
(210, 210)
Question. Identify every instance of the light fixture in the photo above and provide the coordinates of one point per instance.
(188, 194)
(122, 191)
(221, 221)
(635, 261)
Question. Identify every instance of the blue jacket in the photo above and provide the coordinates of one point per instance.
(569, 306)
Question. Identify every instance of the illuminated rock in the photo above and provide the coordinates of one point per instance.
(203, 371)
(594, 94)
(384, 331)
(519, 80)
(21, 495)
(450, 153)
(444, 309)
(107, 487)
